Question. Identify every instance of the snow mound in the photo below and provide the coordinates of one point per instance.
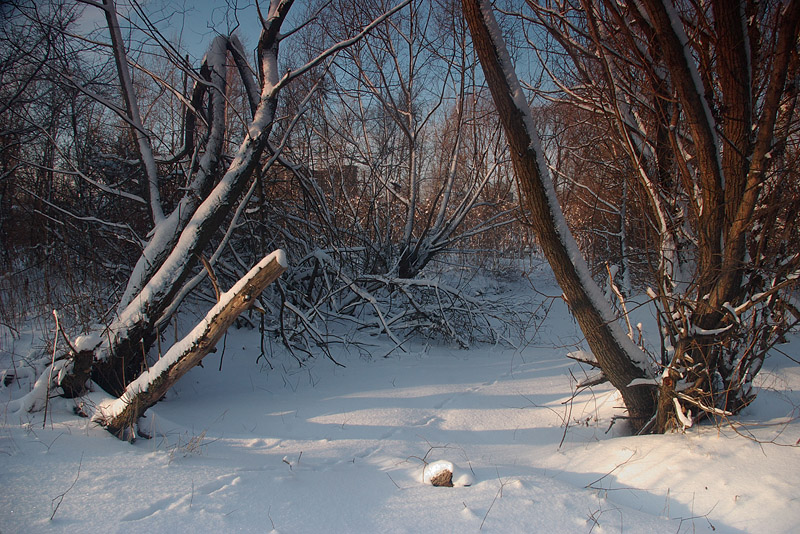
(87, 342)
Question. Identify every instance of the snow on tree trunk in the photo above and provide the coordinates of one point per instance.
(178, 240)
(621, 361)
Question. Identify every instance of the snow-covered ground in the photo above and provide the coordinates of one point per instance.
(331, 449)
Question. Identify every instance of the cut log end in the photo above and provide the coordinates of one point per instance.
(74, 384)
(443, 478)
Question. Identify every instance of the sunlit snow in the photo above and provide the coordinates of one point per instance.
(330, 449)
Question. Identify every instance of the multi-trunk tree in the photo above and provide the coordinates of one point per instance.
(701, 100)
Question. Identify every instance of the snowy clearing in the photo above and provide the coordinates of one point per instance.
(331, 449)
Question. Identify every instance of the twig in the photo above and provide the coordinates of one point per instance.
(60, 498)
(393, 482)
(568, 408)
(497, 495)
(60, 328)
(211, 276)
(591, 484)
(621, 299)
(704, 516)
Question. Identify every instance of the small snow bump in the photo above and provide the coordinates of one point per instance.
(87, 342)
(516, 483)
(463, 480)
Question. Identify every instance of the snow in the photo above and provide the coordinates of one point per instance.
(330, 449)
(87, 342)
(36, 398)
(684, 418)
(697, 331)
(644, 382)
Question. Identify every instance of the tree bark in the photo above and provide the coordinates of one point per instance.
(621, 361)
(670, 37)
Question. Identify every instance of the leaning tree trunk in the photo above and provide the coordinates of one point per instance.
(120, 416)
(620, 360)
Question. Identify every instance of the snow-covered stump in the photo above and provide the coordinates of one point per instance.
(439, 473)
(120, 415)
(444, 473)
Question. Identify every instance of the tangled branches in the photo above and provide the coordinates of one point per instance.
(324, 302)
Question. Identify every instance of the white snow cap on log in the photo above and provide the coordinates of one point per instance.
(87, 342)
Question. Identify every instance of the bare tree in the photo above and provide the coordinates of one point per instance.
(700, 119)
(389, 100)
(344, 175)
(622, 362)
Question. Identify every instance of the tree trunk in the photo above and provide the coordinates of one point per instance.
(120, 416)
(621, 361)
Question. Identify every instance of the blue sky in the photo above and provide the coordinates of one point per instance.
(192, 22)
(196, 23)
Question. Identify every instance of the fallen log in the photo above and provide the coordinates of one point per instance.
(119, 416)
